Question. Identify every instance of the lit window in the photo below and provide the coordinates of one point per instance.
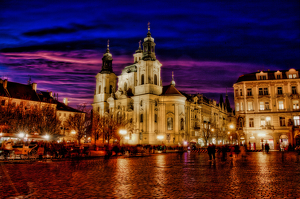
(296, 121)
(262, 122)
(170, 123)
(268, 121)
(261, 106)
(280, 105)
(250, 106)
(282, 121)
(294, 75)
(237, 108)
(295, 104)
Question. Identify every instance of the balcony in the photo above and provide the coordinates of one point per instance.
(197, 127)
(267, 127)
(265, 110)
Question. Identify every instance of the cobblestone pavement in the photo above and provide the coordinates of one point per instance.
(189, 175)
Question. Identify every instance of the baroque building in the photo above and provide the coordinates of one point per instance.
(27, 97)
(267, 108)
(160, 114)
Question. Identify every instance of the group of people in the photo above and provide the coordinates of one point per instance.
(224, 149)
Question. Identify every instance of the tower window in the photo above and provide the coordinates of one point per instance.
(155, 79)
(99, 89)
(142, 79)
(110, 89)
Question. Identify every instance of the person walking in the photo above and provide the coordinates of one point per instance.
(267, 147)
(213, 151)
(209, 151)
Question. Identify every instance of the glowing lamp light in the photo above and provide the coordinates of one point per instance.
(185, 142)
(231, 126)
(73, 132)
(268, 118)
(228, 132)
(160, 137)
(47, 137)
(126, 137)
(21, 135)
(261, 135)
(123, 132)
(212, 130)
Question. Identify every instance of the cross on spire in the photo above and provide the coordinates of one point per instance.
(149, 26)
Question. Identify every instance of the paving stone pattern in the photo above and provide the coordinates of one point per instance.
(190, 175)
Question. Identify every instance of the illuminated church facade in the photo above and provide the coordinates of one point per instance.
(160, 114)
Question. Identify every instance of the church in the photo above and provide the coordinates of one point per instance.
(160, 114)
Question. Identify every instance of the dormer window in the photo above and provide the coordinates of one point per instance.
(261, 76)
(292, 74)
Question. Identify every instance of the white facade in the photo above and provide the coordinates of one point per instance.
(155, 110)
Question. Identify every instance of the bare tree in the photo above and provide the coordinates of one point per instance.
(79, 122)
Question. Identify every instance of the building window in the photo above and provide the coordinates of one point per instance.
(170, 123)
(278, 76)
(294, 91)
(261, 106)
(99, 89)
(267, 107)
(292, 76)
(242, 106)
(155, 79)
(280, 105)
(3, 102)
(110, 89)
(296, 121)
(295, 104)
(155, 118)
(266, 91)
(251, 122)
(142, 79)
(268, 121)
(260, 91)
(262, 77)
(279, 90)
(236, 93)
(59, 114)
(237, 107)
(142, 118)
(250, 106)
(282, 121)
(241, 92)
(249, 92)
(262, 122)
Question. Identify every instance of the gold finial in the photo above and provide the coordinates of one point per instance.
(107, 43)
(172, 75)
(148, 25)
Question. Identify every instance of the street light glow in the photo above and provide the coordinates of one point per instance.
(123, 132)
(73, 132)
(160, 137)
(21, 135)
(231, 126)
(46, 136)
(126, 137)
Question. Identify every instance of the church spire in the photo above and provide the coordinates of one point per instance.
(173, 82)
(149, 47)
(107, 61)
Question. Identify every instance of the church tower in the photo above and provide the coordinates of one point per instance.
(148, 69)
(106, 82)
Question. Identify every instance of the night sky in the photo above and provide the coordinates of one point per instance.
(208, 45)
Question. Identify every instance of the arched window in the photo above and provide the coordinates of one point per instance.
(125, 86)
(99, 89)
(141, 118)
(155, 79)
(182, 124)
(170, 123)
(142, 79)
(110, 89)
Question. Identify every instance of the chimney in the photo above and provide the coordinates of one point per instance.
(50, 93)
(34, 86)
(5, 83)
(66, 101)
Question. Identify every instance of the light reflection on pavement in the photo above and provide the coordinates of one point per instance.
(188, 175)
